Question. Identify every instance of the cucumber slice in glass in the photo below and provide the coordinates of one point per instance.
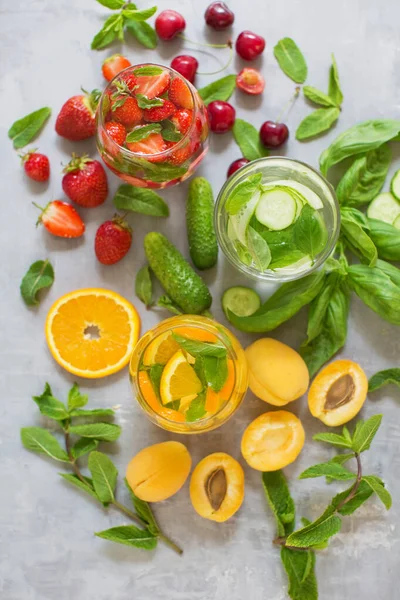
(395, 185)
(276, 209)
(397, 222)
(306, 194)
(241, 220)
(240, 300)
(384, 208)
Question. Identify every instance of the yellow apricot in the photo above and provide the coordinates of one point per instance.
(277, 373)
(338, 392)
(273, 441)
(159, 471)
(217, 487)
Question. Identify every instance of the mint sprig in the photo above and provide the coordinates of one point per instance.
(129, 18)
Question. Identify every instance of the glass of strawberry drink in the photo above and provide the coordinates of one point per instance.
(152, 126)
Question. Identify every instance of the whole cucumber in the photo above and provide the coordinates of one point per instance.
(203, 245)
(177, 277)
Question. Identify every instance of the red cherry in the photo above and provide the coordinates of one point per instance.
(219, 16)
(236, 165)
(273, 134)
(249, 45)
(221, 116)
(168, 24)
(250, 81)
(186, 66)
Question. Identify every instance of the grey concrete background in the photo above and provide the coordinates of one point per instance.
(46, 528)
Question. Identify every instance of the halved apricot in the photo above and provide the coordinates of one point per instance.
(277, 373)
(338, 392)
(217, 487)
(273, 441)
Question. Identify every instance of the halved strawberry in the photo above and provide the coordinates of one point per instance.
(153, 144)
(159, 113)
(182, 119)
(128, 113)
(180, 94)
(181, 155)
(150, 85)
(61, 219)
(113, 65)
(116, 131)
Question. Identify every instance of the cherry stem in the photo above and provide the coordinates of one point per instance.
(288, 107)
(227, 45)
(222, 68)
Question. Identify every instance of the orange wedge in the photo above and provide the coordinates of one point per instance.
(160, 350)
(92, 332)
(149, 395)
(178, 379)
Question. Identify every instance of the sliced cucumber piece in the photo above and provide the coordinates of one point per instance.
(230, 230)
(395, 185)
(307, 195)
(241, 220)
(397, 222)
(276, 209)
(240, 300)
(384, 208)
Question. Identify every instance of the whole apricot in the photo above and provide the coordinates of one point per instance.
(277, 373)
(159, 471)
(338, 392)
(217, 487)
(273, 441)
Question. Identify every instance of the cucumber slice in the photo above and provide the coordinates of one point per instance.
(395, 185)
(276, 209)
(384, 208)
(241, 220)
(397, 222)
(307, 195)
(242, 301)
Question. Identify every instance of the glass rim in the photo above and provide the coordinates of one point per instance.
(279, 275)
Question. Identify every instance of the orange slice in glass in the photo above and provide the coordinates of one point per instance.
(178, 379)
(160, 350)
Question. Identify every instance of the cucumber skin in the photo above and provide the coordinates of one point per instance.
(203, 245)
(177, 277)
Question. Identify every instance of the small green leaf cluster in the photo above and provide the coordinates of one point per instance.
(128, 18)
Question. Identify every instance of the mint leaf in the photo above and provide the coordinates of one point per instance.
(333, 438)
(363, 493)
(143, 32)
(24, 130)
(155, 373)
(317, 122)
(196, 409)
(166, 302)
(94, 412)
(318, 97)
(75, 398)
(39, 275)
(291, 60)
(332, 470)
(242, 193)
(139, 15)
(383, 378)
(104, 475)
(148, 71)
(259, 249)
(144, 511)
(215, 371)
(170, 132)
(108, 432)
(112, 29)
(200, 348)
(377, 486)
(222, 89)
(334, 90)
(317, 532)
(41, 441)
(365, 432)
(247, 138)
(310, 234)
(83, 446)
(140, 200)
(280, 501)
(50, 406)
(130, 536)
(145, 102)
(144, 286)
(300, 569)
(86, 487)
(112, 4)
(142, 132)
(342, 458)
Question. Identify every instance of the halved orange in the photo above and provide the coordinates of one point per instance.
(92, 332)
(178, 379)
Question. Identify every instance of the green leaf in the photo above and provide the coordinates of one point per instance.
(319, 307)
(166, 302)
(75, 398)
(334, 90)
(142, 132)
(259, 249)
(317, 122)
(215, 371)
(300, 569)
(41, 441)
(386, 239)
(112, 4)
(104, 475)
(111, 30)
(280, 501)
(130, 536)
(148, 71)
(390, 270)
(310, 234)
(365, 433)
(378, 487)
(39, 275)
(376, 290)
(140, 200)
(94, 412)
(291, 60)
(196, 348)
(363, 493)
(23, 131)
(86, 487)
(242, 193)
(329, 469)
(333, 438)
(140, 167)
(139, 15)
(83, 446)
(363, 137)
(383, 378)
(50, 406)
(317, 532)
(144, 511)
(196, 409)
(144, 286)
(281, 244)
(170, 132)
(108, 432)
(358, 239)
(342, 458)
(146, 103)
(222, 89)
(247, 138)
(155, 373)
(143, 32)
(317, 96)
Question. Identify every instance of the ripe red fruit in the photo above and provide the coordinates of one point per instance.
(251, 81)
(113, 65)
(182, 119)
(149, 85)
(236, 165)
(221, 116)
(153, 144)
(36, 165)
(249, 45)
(273, 135)
(186, 65)
(182, 154)
(129, 113)
(61, 219)
(116, 131)
(180, 94)
(168, 24)
(159, 113)
(85, 181)
(76, 119)
(219, 16)
(113, 240)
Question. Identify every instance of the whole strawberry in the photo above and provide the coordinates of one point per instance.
(76, 119)
(36, 165)
(113, 240)
(85, 181)
(61, 219)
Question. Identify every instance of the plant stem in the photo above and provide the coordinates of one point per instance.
(227, 45)
(222, 68)
(356, 485)
(71, 458)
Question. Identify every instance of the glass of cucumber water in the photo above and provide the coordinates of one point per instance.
(277, 219)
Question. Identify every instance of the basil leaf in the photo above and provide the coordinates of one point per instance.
(383, 378)
(39, 275)
(42, 441)
(319, 306)
(318, 97)
(359, 239)
(310, 234)
(222, 89)
(215, 371)
(129, 535)
(24, 130)
(145, 102)
(390, 270)
(242, 193)
(148, 71)
(112, 4)
(282, 305)
(144, 286)
(363, 137)
(259, 249)
(334, 90)
(166, 302)
(138, 15)
(376, 290)
(281, 244)
(196, 409)
(355, 216)
(317, 122)
(143, 32)
(386, 239)
(112, 29)
(364, 179)
(140, 200)
(142, 132)
(170, 132)
(196, 348)
(104, 474)
(291, 60)
(247, 138)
